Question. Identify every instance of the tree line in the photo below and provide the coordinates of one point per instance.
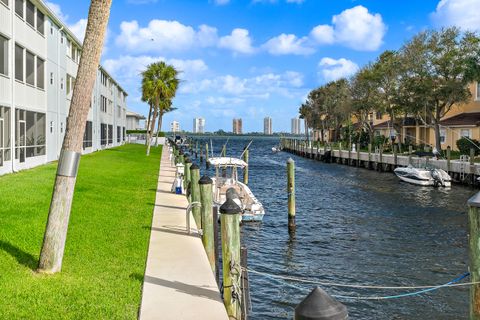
(424, 79)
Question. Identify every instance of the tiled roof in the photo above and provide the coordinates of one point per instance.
(463, 119)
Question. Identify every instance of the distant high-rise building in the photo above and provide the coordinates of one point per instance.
(199, 125)
(175, 126)
(237, 126)
(267, 125)
(296, 126)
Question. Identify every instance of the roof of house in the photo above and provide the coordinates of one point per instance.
(462, 119)
(135, 115)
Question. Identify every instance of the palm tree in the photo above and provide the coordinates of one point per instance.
(159, 85)
(51, 255)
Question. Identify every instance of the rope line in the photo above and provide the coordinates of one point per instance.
(358, 286)
(452, 283)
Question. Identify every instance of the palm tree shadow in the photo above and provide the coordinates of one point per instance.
(22, 257)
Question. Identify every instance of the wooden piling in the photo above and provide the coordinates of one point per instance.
(216, 244)
(245, 170)
(207, 165)
(474, 252)
(291, 192)
(206, 213)
(395, 151)
(195, 193)
(245, 283)
(449, 159)
(369, 155)
(410, 151)
(187, 176)
(230, 224)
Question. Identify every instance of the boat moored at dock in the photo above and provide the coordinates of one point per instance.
(427, 176)
(226, 182)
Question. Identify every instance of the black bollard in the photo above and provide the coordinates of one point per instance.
(318, 305)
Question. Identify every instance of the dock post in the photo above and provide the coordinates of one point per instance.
(245, 170)
(187, 175)
(395, 151)
(380, 158)
(205, 184)
(245, 283)
(196, 149)
(201, 153)
(358, 153)
(207, 165)
(181, 158)
(449, 159)
(369, 156)
(318, 305)
(232, 271)
(410, 151)
(474, 252)
(195, 193)
(291, 193)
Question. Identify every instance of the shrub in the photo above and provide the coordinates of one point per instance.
(464, 145)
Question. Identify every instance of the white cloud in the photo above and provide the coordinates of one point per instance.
(57, 10)
(238, 41)
(355, 28)
(359, 29)
(128, 68)
(79, 28)
(288, 44)
(207, 36)
(158, 36)
(332, 69)
(323, 34)
(461, 13)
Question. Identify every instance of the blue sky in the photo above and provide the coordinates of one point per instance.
(255, 58)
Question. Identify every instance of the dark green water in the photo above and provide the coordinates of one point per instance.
(353, 226)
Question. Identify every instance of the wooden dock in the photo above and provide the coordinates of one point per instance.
(178, 283)
(461, 171)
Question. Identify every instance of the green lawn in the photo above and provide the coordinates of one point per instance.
(107, 240)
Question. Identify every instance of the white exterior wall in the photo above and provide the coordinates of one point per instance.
(52, 47)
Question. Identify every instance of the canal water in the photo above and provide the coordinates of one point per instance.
(354, 226)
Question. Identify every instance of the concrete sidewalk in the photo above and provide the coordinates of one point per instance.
(178, 282)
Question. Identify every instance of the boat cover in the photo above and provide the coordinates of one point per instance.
(227, 162)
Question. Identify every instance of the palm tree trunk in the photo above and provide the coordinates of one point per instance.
(51, 255)
(152, 127)
(159, 127)
(148, 121)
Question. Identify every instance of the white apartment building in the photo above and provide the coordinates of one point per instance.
(175, 126)
(199, 125)
(39, 59)
(267, 126)
(133, 121)
(296, 126)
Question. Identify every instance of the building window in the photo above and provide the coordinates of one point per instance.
(124, 133)
(18, 62)
(103, 104)
(378, 115)
(103, 134)
(41, 22)
(40, 73)
(3, 55)
(465, 133)
(30, 14)
(73, 53)
(19, 7)
(443, 135)
(30, 134)
(30, 68)
(119, 134)
(119, 112)
(4, 135)
(88, 135)
(110, 107)
(478, 90)
(70, 84)
(110, 134)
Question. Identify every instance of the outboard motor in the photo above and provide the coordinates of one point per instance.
(233, 195)
(437, 178)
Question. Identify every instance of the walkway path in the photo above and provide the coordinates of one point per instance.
(178, 282)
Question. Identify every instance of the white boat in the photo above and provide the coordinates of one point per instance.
(275, 149)
(226, 181)
(424, 176)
